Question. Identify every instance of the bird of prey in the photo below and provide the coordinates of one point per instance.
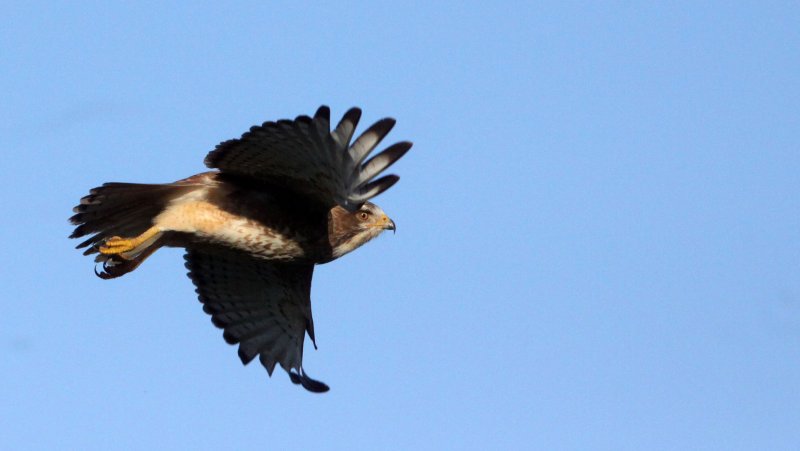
(284, 197)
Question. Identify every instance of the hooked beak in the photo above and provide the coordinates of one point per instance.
(386, 224)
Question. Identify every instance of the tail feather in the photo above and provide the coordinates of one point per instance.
(125, 210)
(125, 222)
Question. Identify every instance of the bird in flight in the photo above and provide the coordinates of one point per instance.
(284, 197)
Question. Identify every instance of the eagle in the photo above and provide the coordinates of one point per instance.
(285, 196)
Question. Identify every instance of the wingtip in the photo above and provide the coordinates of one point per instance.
(344, 130)
(247, 357)
(383, 126)
(229, 338)
(381, 162)
(407, 144)
(306, 382)
(353, 115)
(323, 112)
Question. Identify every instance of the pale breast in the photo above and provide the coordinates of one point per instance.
(194, 214)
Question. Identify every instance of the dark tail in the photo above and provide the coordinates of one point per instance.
(125, 210)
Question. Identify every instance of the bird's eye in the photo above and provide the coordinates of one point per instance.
(363, 215)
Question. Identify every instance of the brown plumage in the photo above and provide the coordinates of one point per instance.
(286, 196)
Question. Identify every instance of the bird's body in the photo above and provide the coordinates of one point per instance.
(286, 196)
(245, 218)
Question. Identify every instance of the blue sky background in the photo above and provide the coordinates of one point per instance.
(598, 237)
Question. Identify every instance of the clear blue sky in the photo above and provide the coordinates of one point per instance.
(598, 239)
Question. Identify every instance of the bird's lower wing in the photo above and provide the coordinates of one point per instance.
(262, 305)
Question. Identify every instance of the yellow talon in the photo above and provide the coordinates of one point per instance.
(117, 245)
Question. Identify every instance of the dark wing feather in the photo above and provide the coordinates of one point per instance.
(305, 156)
(263, 306)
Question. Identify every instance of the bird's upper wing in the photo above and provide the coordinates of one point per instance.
(262, 305)
(305, 156)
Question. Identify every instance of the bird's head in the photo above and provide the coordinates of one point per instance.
(348, 230)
